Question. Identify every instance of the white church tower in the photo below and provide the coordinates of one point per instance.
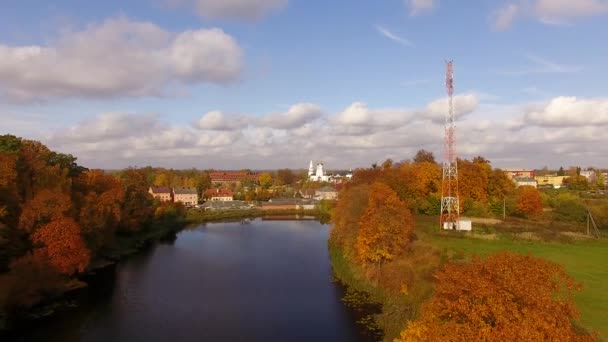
(311, 169)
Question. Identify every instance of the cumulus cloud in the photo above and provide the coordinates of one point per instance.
(417, 7)
(570, 111)
(219, 121)
(296, 116)
(232, 9)
(462, 105)
(118, 57)
(548, 11)
(562, 131)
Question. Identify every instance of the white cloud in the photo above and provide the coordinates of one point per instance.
(548, 11)
(570, 111)
(119, 57)
(437, 110)
(562, 131)
(390, 35)
(232, 9)
(297, 116)
(219, 121)
(417, 7)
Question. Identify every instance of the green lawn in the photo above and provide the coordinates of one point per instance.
(586, 261)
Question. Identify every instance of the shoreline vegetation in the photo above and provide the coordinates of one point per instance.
(535, 276)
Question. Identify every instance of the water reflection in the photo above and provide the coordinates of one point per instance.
(263, 281)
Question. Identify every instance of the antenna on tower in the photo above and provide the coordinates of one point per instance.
(450, 204)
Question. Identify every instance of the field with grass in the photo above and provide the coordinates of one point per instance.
(586, 261)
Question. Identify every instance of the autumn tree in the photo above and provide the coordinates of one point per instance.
(61, 240)
(285, 177)
(506, 297)
(265, 180)
(529, 201)
(346, 217)
(424, 156)
(385, 227)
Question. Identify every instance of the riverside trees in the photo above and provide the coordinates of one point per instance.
(57, 216)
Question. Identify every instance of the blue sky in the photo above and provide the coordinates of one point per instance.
(531, 75)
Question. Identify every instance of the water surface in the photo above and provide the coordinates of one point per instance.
(263, 281)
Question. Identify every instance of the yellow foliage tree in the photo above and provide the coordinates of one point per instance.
(385, 227)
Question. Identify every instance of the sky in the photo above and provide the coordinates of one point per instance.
(262, 84)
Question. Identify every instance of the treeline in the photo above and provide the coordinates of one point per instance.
(57, 217)
(376, 247)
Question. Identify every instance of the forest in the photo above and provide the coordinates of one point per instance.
(59, 220)
(379, 245)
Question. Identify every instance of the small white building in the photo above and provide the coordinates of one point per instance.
(464, 224)
(529, 181)
(222, 195)
(187, 196)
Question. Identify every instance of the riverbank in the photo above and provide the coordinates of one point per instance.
(581, 259)
(126, 245)
(200, 216)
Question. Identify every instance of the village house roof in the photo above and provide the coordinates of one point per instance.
(218, 193)
(230, 176)
(327, 189)
(160, 189)
(185, 191)
(287, 201)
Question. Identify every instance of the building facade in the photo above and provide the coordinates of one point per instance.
(550, 181)
(326, 193)
(187, 196)
(521, 181)
(223, 195)
(162, 193)
(512, 173)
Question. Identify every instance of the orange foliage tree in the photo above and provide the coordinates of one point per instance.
(62, 242)
(529, 201)
(346, 216)
(385, 228)
(507, 297)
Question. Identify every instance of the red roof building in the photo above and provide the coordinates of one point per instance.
(219, 195)
(232, 177)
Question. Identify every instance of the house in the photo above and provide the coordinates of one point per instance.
(307, 193)
(326, 193)
(162, 193)
(521, 181)
(223, 195)
(512, 173)
(590, 175)
(225, 178)
(550, 181)
(187, 196)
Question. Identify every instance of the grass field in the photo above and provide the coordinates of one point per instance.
(585, 261)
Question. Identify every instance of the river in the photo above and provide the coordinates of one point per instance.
(263, 281)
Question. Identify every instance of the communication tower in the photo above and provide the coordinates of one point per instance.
(450, 205)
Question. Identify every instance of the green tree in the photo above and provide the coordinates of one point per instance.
(265, 180)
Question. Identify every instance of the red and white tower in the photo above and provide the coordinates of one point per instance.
(450, 205)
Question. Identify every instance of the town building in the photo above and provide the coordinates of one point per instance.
(319, 174)
(521, 181)
(226, 178)
(589, 174)
(326, 193)
(162, 193)
(187, 196)
(552, 181)
(512, 173)
(223, 195)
